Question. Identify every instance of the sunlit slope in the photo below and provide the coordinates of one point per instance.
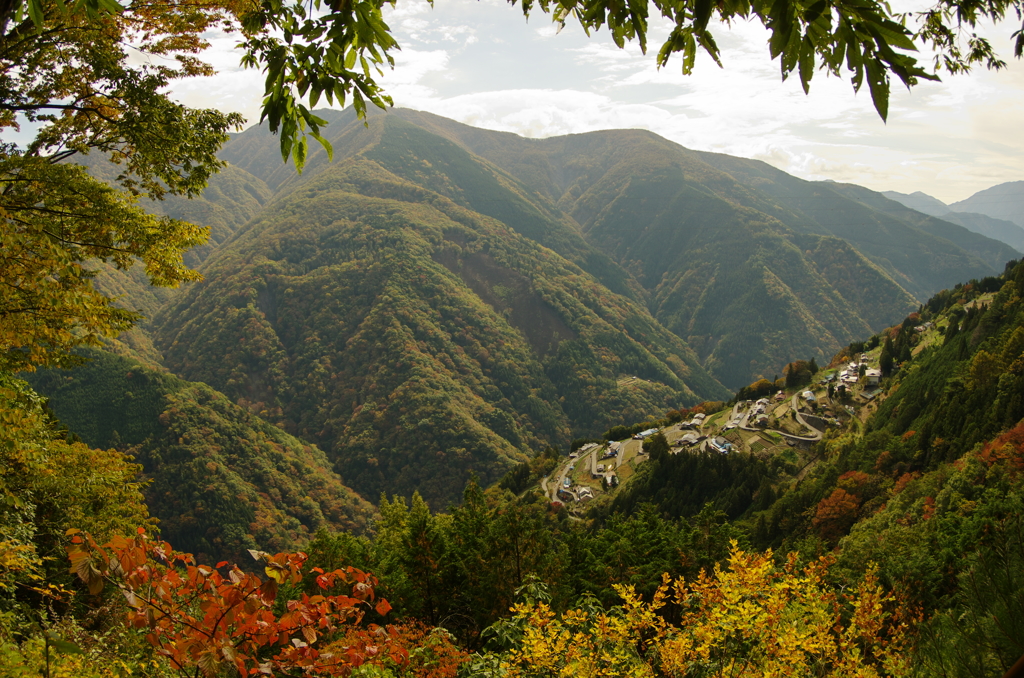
(439, 165)
(417, 341)
(739, 275)
(744, 289)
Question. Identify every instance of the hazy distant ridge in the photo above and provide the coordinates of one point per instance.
(980, 213)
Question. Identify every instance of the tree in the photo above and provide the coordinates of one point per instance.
(66, 71)
(752, 618)
(656, 446)
(886, 357)
(835, 514)
(202, 620)
(797, 373)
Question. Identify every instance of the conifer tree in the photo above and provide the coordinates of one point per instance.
(885, 358)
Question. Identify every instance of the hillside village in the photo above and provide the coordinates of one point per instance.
(784, 424)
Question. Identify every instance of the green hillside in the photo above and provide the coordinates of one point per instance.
(220, 479)
(416, 341)
(921, 262)
(698, 230)
(232, 197)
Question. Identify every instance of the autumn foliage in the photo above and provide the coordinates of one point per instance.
(198, 618)
(1008, 447)
(749, 619)
(835, 514)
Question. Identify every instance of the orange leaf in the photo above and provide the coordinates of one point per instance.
(383, 607)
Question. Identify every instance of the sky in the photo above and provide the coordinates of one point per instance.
(481, 63)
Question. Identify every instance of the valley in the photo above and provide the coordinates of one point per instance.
(442, 301)
(523, 381)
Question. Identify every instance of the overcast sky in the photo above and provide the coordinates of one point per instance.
(480, 62)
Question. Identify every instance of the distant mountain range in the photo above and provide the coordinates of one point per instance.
(441, 301)
(997, 212)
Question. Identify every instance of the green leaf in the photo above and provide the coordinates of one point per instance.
(812, 13)
(701, 14)
(61, 645)
(299, 154)
(35, 12)
(326, 146)
(878, 83)
(806, 65)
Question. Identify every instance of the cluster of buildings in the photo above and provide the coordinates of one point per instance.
(696, 422)
(759, 413)
(851, 373)
(583, 450)
(582, 494)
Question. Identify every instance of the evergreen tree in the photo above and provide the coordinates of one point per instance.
(656, 446)
(885, 359)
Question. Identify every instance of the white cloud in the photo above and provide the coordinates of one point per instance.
(482, 64)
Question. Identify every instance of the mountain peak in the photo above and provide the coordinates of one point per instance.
(1003, 201)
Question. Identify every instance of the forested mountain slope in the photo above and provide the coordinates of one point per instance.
(561, 167)
(921, 261)
(221, 480)
(740, 260)
(417, 341)
(444, 167)
(232, 198)
(671, 216)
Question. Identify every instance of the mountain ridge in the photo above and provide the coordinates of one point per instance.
(361, 275)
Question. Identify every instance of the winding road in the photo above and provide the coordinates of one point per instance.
(795, 404)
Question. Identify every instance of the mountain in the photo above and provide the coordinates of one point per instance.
(723, 246)
(747, 264)
(417, 341)
(232, 197)
(441, 301)
(220, 479)
(918, 255)
(991, 252)
(922, 202)
(468, 180)
(1004, 201)
(997, 229)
